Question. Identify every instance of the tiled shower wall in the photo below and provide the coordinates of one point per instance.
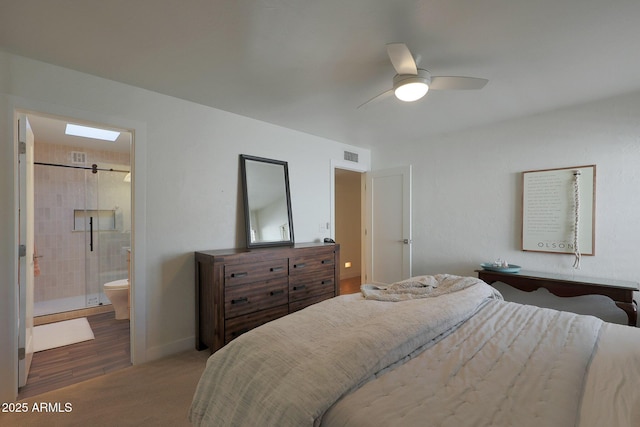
(63, 261)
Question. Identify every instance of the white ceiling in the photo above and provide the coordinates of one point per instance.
(51, 130)
(307, 65)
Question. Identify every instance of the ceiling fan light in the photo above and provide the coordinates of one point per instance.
(411, 91)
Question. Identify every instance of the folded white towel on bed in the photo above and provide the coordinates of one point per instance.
(419, 287)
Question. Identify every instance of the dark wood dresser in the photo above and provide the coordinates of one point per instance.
(240, 289)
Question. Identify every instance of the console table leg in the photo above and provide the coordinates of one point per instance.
(631, 309)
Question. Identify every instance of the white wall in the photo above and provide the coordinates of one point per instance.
(187, 192)
(467, 190)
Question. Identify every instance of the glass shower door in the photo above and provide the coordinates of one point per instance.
(107, 236)
(92, 248)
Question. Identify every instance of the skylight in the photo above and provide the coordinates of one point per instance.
(89, 132)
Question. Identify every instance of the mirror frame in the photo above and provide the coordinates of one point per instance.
(247, 215)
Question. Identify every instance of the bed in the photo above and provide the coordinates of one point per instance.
(430, 351)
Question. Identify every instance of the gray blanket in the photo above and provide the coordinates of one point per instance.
(290, 371)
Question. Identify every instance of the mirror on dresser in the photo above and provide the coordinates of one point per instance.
(267, 202)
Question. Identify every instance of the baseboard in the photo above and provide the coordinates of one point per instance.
(74, 314)
(171, 348)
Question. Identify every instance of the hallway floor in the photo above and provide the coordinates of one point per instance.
(350, 285)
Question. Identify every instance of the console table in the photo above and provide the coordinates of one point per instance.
(620, 291)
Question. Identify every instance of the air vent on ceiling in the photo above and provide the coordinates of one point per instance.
(352, 157)
(78, 157)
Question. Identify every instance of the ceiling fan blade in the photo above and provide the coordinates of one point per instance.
(456, 83)
(376, 98)
(401, 58)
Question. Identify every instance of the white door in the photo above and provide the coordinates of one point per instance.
(389, 225)
(26, 259)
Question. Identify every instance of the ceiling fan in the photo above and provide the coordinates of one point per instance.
(412, 83)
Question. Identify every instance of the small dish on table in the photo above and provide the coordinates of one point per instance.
(511, 268)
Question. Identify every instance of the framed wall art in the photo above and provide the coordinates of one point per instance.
(558, 210)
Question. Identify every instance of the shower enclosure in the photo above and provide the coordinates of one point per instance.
(82, 233)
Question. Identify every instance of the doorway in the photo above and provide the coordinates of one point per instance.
(348, 199)
(385, 237)
(82, 234)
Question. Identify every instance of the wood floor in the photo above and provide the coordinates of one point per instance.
(109, 351)
(62, 366)
(350, 286)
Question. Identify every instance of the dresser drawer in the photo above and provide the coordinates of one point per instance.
(239, 300)
(239, 325)
(314, 262)
(308, 285)
(300, 304)
(238, 274)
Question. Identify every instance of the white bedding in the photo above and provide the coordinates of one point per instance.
(470, 360)
(612, 390)
(289, 371)
(509, 365)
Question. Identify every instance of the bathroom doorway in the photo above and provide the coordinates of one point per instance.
(82, 230)
(82, 192)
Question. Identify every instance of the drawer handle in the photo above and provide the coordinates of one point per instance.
(297, 288)
(243, 300)
(302, 265)
(327, 261)
(274, 293)
(243, 274)
(327, 282)
(277, 268)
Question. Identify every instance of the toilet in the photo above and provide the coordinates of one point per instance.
(118, 293)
